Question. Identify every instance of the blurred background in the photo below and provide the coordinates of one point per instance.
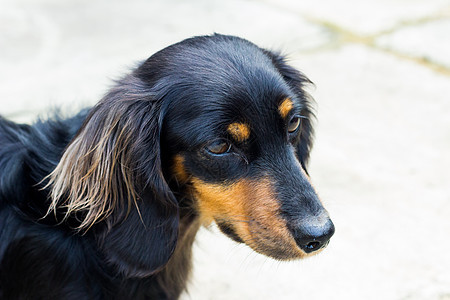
(381, 161)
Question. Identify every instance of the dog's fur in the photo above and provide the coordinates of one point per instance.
(106, 204)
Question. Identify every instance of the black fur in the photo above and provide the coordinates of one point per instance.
(176, 102)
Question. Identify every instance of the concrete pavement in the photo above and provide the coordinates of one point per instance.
(381, 165)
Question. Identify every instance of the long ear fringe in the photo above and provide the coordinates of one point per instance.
(100, 167)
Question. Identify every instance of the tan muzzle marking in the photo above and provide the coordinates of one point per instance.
(252, 209)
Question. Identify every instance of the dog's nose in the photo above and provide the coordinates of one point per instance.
(311, 237)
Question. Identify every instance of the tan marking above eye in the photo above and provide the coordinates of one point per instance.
(285, 107)
(239, 131)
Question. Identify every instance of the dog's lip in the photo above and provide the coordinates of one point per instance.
(272, 244)
(278, 247)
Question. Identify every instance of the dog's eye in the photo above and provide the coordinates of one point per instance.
(294, 124)
(218, 147)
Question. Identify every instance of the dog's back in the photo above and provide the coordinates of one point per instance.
(28, 153)
(12, 156)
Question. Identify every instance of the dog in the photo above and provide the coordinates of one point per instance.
(106, 204)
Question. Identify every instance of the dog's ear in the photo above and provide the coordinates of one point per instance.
(297, 81)
(110, 178)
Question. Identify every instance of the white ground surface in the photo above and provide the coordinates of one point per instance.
(381, 161)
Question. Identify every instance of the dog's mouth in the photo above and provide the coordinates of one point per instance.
(277, 243)
(248, 212)
(264, 241)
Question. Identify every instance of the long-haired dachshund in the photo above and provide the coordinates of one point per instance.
(106, 204)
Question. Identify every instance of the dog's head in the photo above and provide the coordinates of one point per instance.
(238, 128)
(213, 119)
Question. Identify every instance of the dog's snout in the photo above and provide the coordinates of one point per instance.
(311, 237)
